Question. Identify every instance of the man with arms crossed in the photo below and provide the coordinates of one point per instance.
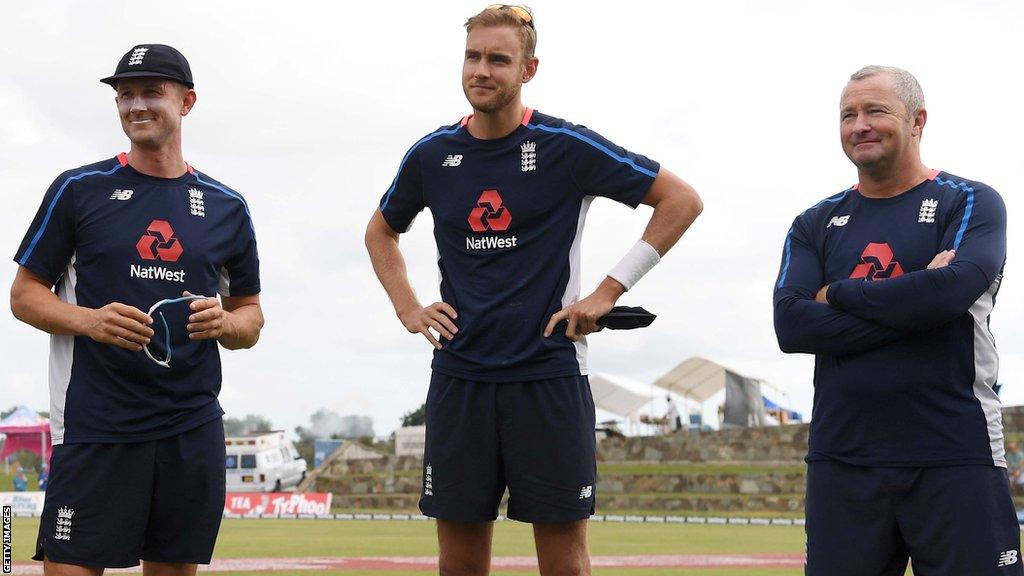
(138, 462)
(890, 284)
(509, 402)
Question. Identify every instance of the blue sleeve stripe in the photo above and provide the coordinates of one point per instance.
(788, 252)
(595, 144)
(231, 193)
(428, 138)
(53, 204)
(785, 262)
(968, 210)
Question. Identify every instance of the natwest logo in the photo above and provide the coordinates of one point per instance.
(489, 214)
(877, 263)
(159, 243)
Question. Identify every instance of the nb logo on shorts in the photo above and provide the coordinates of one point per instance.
(452, 160)
(586, 492)
(1008, 558)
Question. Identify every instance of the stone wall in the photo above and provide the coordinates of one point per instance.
(771, 444)
(768, 476)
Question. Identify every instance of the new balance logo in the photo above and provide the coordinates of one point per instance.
(529, 156)
(122, 194)
(1008, 558)
(428, 481)
(452, 160)
(195, 202)
(586, 492)
(927, 213)
(838, 221)
(137, 55)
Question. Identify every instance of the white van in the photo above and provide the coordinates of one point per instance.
(262, 462)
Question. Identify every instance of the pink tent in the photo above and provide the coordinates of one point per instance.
(25, 430)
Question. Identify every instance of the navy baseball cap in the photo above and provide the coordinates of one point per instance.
(152, 61)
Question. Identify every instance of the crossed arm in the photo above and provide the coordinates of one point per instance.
(853, 315)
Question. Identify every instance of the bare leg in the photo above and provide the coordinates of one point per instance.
(465, 548)
(562, 548)
(165, 569)
(57, 569)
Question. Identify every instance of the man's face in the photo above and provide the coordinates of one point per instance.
(494, 69)
(151, 109)
(875, 126)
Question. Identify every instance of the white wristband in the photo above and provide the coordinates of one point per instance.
(637, 262)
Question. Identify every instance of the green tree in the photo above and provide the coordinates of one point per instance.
(417, 417)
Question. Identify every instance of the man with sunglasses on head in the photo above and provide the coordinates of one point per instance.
(137, 471)
(509, 403)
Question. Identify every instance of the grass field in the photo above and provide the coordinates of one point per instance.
(299, 538)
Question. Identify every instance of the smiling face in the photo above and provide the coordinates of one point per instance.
(151, 110)
(495, 68)
(876, 129)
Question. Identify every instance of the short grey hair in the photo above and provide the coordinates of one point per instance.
(907, 89)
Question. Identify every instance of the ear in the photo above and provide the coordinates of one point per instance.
(188, 101)
(530, 70)
(919, 121)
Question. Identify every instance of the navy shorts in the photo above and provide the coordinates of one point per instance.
(111, 505)
(535, 438)
(949, 521)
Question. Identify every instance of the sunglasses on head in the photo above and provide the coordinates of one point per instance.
(522, 12)
(166, 360)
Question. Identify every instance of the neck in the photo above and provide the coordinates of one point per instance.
(163, 162)
(497, 124)
(890, 181)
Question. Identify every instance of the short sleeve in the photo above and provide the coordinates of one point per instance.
(50, 241)
(404, 199)
(603, 168)
(240, 275)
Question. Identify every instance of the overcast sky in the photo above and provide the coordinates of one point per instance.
(307, 108)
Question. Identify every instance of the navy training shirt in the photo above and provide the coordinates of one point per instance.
(508, 219)
(108, 233)
(905, 364)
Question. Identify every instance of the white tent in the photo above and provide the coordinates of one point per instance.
(696, 379)
(618, 395)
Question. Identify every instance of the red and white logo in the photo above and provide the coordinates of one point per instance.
(489, 214)
(877, 263)
(159, 243)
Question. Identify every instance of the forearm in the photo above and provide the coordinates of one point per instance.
(389, 265)
(805, 326)
(242, 327)
(35, 304)
(917, 300)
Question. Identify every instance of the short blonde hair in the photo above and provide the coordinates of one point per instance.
(503, 16)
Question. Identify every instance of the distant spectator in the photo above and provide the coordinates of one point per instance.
(44, 476)
(20, 480)
(673, 421)
(1015, 465)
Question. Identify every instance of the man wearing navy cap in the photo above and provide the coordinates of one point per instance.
(138, 463)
